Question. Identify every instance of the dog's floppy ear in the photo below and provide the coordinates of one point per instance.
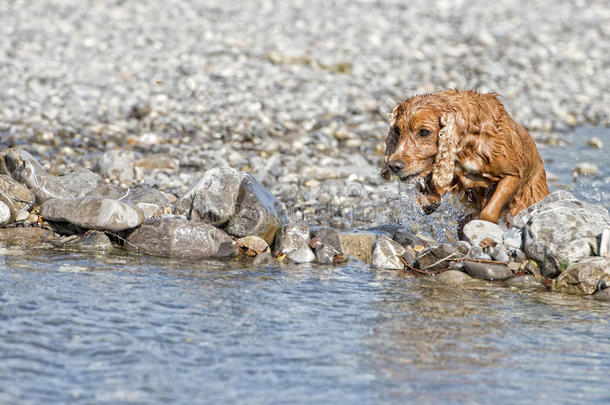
(444, 161)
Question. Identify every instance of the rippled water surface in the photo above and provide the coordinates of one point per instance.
(114, 328)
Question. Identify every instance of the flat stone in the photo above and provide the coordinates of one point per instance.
(24, 168)
(328, 244)
(212, 197)
(16, 196)
(476, 231)
(117, 165)
(386, 254)
(487, 271)
(180, 238)
(257, 212)
(560, 230)
(454, 277)
(584, 276)
(251, 245)
(291, 237)
(80, 182)
(98, 213)
(524, 281)
(358, 244)
(436, 257)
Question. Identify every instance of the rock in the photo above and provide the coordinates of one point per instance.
(257, 212)
(586, 169)
(463, 247)
(5, 213)
(476, 231)
(90, 240)
(24, 236)
(117, 165)
(80, 182)
(24, 168)
(454, 277)
(512, 239)
(584, 276)
(152, 202)
(180, 238)
(108, 191)
(98, 213)
(436, 257)
(476, 252)
(386, 254)
(303, 254)
(328, 244)
(513, 266)
(264, 259)
(212, 197)
(291, 237)
(499, 254)
(358, 244)
(595, 143)
(251, 245)
(16, 196)
(604, 243)
(524, 281)
(560, 230)
(487, 271)
(409, 256)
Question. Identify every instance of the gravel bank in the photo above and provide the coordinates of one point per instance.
(295, 92)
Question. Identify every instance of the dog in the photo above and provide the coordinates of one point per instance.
(465, 141)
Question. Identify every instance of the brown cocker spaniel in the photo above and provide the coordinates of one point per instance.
(465, 141)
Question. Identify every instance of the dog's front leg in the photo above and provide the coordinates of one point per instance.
(505, 190)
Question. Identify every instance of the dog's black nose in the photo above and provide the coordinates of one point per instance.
(396, 165)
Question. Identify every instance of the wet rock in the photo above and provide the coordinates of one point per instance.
(604, 243)
(180, 238)
(463, 247)
(523, 282)
(476, 231)
(583, 277)
(603, 295)
(212, 197)
(586, 169)
(498, 253)
(5, 213)
(90, 240)
(358, 244)
(93, 213)
(24, 236)
(24, 168)
(477, 252)
(595, 143)
(436, 257)
(264, 259)
(80, 182)
(328, 245)
(512, 239)
(454, 277)
(152, 202)
(386, 254)
(108, 191)
(303, 254)
(15, 196)
(560, 230)
(257, 212)
(117, 165)
(409, 257)
(251, 245)
(291, 237)
(487, 271)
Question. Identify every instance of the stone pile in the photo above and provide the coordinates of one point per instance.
(560, 243)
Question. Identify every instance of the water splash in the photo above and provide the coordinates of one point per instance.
(442, 225)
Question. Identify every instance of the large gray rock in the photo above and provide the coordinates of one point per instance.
(584, 276)
(93, 213)
(436, 257)
(487, 271)
(560, 230)
(80, 182)
(212, 197)
(180, 238)
(117, 165)
(477, 230)
(291, 237)
(328, 244)
(257, 212)
(15, 196)
(386, 254)
(24, 168)
(303, 254)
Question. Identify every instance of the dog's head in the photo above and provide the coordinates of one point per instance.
(422, 142)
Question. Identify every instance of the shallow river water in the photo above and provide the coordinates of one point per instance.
(115, 328)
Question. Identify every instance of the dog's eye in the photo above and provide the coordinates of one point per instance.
(424, 133)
